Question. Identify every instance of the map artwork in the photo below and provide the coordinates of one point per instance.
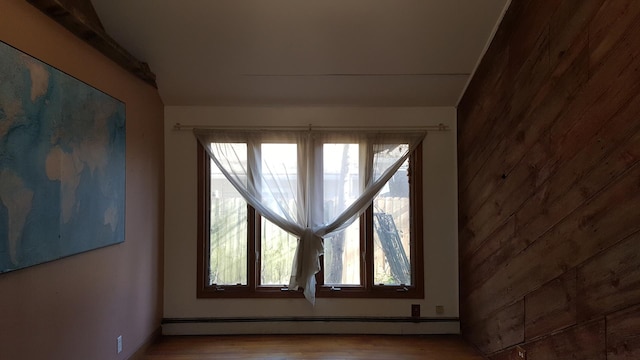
(62, 164)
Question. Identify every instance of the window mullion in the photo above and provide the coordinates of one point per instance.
(314, 189)
(415, 184)
(204, 219)
(253, 248)
(366, 157)
(254, 165)
(254, 230)
(366, 242)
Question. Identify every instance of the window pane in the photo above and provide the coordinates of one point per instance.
(392, 231)
(342, 257)
(385, 156)
(278, 249)
(233, 157)
(228, 232)
(279, 168)
(341, 186)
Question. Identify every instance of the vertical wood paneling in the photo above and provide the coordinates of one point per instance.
(609, 27)
(549, 200)
(623, 334)
(552, 307)
(491, 79)
(585, 342)
(489, 257)
(528, 19)
(567, 30)
(484, 184)
(601, 223)
(611, 280)
(506, 328)
(605, 157)
(509, 354)
(519, 162)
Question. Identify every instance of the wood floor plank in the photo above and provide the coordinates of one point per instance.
(290, 347)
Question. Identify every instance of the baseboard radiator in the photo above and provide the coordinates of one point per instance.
(310, 325)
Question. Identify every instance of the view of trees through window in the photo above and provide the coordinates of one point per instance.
(392, 233)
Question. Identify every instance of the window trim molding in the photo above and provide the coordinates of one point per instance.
(366, 290)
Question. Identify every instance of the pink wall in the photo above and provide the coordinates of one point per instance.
(75, 308)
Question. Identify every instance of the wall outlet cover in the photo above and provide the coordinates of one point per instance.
(119, 344)
(415, 310)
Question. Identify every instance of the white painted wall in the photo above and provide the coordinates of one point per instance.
(440, 217)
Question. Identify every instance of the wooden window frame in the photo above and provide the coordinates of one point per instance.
(367, 289)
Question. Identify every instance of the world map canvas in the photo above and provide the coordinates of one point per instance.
(62, 164)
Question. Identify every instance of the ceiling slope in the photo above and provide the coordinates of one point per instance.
(293, 52)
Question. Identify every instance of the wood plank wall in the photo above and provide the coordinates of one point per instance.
(549, 184)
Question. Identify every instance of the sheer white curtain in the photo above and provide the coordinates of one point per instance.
(282, 174)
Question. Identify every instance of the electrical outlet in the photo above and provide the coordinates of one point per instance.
(415, 310)
(439, 310)
(119, 343)
(519, 353)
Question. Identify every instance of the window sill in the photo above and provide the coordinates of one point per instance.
(391, 292)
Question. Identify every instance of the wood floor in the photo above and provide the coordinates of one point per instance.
(290, 347)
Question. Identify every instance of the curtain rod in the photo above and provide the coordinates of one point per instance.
(439, 127)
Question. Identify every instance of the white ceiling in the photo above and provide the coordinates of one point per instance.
(305, 52)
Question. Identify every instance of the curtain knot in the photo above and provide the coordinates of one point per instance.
(307, 263)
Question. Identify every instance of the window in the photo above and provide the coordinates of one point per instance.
(242, 254)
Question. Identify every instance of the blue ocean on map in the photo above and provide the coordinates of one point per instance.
(62, 164)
